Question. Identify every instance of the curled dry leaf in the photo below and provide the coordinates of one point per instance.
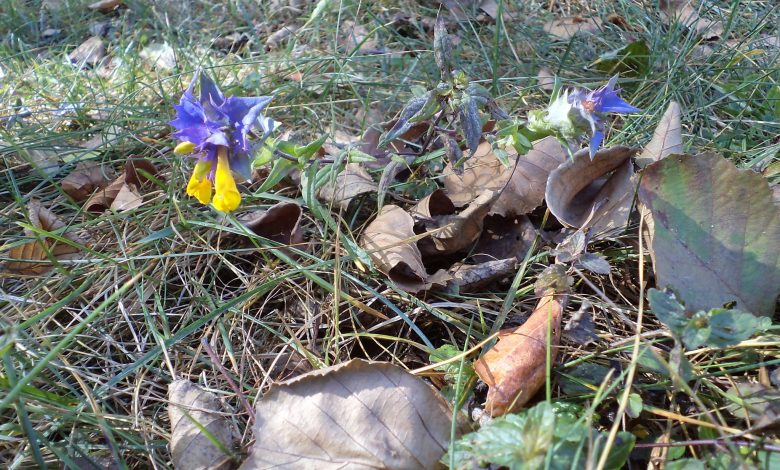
(353, 415)
(273, 41)
(280, 223)
(353, 181)
(597, 194)
(716, 233)
(90, 52)
(30, 257)
(514, 369)
(567, 27)
(684, 12)
(522, 185)
(472, 277)
(106, 6)
(504, 237)
(390, 241)
(353, 35)
(84, 180)
(453, 232)
(667, 137)
(546, 79)
(191, 448)
(123, 193)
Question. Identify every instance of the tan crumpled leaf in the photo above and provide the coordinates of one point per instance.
(191, 448)
(472, 277)
(356, 415)
(567, 27)
(546, 79)
(514, 369)
(594, 194)
(105, 6)
(667, 138)
(90, 52)
(390, 241)
(123, 194)
(276, 38)
(280, 223)
(29, 258)
(84, 180)
(504, 237)
(352, 35)
(352, 181)
(687, 14)
(453, 232)
(524, 191)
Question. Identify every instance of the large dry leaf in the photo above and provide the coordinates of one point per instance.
(472, 277)
(123, 193)
(191, 448)
(30, 257)
(522, 185)
(90, 52)
(390, 241)
(716, 232)
(504, 237)
(280, 223)
(356, 415)
(352, 181)
(453, 232)
(106, 6)
(597, 194)
(667, 138)
(84, 180)
(567, 27)
(514, 369)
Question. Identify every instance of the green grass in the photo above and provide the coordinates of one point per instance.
(89, 348)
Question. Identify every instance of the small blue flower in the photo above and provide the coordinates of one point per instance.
(593, 105)
(217, 129)
(578, 113)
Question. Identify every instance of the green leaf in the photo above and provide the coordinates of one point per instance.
(716, 233)
(471, 123)
(442, 47)
(685, 464)
(280, 168)
(631, 59)
(412, 109)
(453, 369)
(357, 156)
(668, 309)
(266, 154)
(733, 326)
(634, 405)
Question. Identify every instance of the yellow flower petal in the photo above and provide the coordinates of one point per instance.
(199, 185)
(227, 197)
(184, 148)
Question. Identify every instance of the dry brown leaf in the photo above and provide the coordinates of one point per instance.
(453, 232)
(546, 79)
(103, 198)
(390, 241)
(90, 52)
(684, 12)
(280, 223)
(504, 237)
(44, 160)
(357, 415)
(106, 6)
(667, 137)
(352, 181)
(276, 38)
(29, 257)
(567, 27)
(472, 277)
(514, 369)
(191, 448)
(522, 185)
(597, 194)
(354, 35)
(126, 199)
(84, 180)
(137, 169)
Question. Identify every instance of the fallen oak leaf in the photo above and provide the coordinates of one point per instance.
(84, 180)
(521, 184)
(280, 223)
(31, 257)
(514, 369)
(595, 195)
(192, 409)
(356, 414)
(391, 243)
(137, 174)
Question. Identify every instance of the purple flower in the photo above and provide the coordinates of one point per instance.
(593, 105)
(217, 129)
